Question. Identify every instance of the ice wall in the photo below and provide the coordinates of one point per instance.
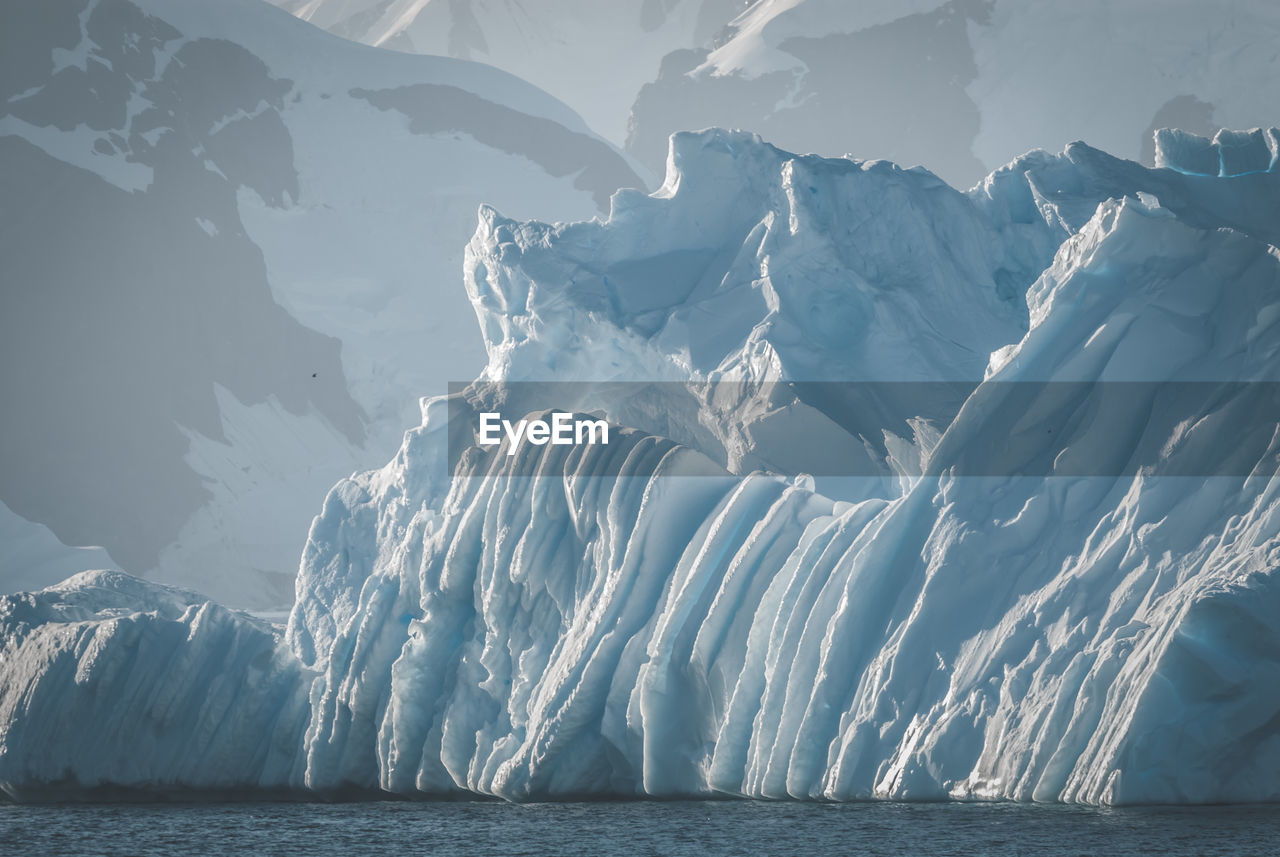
(695, 626)
(111, 684)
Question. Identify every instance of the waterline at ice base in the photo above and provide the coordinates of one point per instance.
(692, 609)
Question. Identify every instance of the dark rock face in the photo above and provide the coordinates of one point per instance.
(121, 310)
(677, 102)
(123, 49)
(929, 60)
(438, 109)
(882, 92)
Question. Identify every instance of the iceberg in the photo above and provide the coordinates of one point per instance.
(687, 611)
(112, 683)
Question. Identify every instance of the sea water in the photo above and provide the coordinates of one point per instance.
(695, 828)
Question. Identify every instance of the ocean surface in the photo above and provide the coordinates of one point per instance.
(698, 829)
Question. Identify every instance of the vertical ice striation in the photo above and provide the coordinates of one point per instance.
(667, 615)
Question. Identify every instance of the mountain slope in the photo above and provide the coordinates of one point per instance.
(967, 85)
(33, 555)
(226, 236)
(960, 86)
(555, 45)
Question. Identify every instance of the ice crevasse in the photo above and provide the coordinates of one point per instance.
(695, 623)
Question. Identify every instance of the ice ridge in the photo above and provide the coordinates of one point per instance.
(695, 623)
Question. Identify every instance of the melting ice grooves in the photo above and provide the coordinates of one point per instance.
(694, 623)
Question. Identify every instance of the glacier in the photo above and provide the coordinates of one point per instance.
(689, 612)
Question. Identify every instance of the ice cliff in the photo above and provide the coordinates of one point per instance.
(701, 623)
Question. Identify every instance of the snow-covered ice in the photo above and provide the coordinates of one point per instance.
(699, 624)
(115, 682)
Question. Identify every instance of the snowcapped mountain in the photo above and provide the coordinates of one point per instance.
(663, 616)
(967, 85)
(33, 556)
(961, 86)
(594, 55)
(228, 245)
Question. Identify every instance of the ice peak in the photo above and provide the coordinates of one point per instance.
(1229, 153)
